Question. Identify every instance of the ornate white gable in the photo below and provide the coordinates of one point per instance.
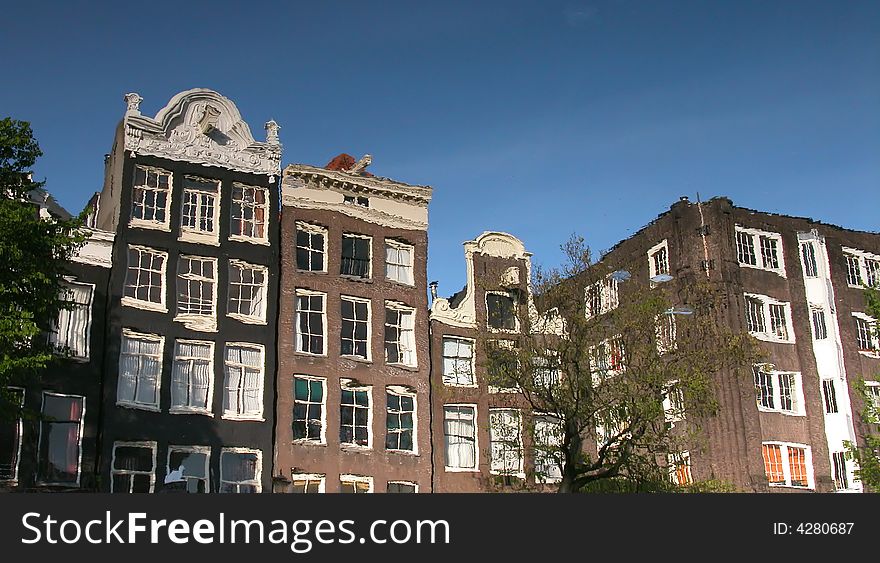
(200, 125)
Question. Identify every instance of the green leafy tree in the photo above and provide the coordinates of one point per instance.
(626, 384)
(867, 455)
(33, 253)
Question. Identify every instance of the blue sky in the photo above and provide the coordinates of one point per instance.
(538, 118)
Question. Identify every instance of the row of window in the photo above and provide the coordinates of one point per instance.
(196, 287)
(355, 414)
(317, 483)
(133, 468)
(200, 212)
(356, 254)
(192, 376)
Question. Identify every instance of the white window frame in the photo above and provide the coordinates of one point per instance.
(196, 235)
(601, 371)
(262, 292)
(507, 344)
(197, 321)
(472, 374)
(402, 391)
(236, 414)
(545, 439)
(872, 389)
(458, 469)
(369, 259)
(760, 264)
(143, 444)
(786, 466)
(674, 462)
(663, 246)
(323, 381)
(206, 450)
(673, 402)
(350, 478)
(808, 258)
(516, 324)
(768, 335)
(872, 334)
(314, 230)
(608, 295)
(19, 424)
(865, 274)
(796, 390)
(152, 223)
(496, 466)
(209, 401)
(413, 484)
(816, 314)
(406, 267)
(355, 387)
(157, 338)
(128, 301)
(404, 349)
(79, 439)
(320, 478)
(67, 324)
(830, 404)
(257, 481)
(296, 328)
(369, 322)
(263, 240)
(666, 332)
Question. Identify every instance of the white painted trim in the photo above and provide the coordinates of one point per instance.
(512, 298)
(192, 449)
(476, 467)
(89, 308)
(162, 306)
(258, 477)
(756, 244)
(398, 245)
(797, 393)
(786, 466)
(234, 415)
(346, 384)
(350, 478)
(195, 321)
(520, 471)
(79, 438)
(143, 444)
(20, 426)
(404, 309)
(403, 391)
(872, 324)
(413, 484)
(369, 357)
(862, 256)
(473, 373)
(128, 333)
(185, 409)
(319, 477)
(315, 230)
(766, 336)
(662, 245)
(264, 288)
(134, 222)
(195, 235)
(300, 292)
(369, 259)
(263, 240)
(323, 381)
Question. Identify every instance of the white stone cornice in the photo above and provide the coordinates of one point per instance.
(420, 195)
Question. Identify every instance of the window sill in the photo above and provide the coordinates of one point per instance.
(138, 406)
(243, 418)
(309, 354)
(301, 271)
(154, 225)
(464, 385)
(246, 319)
(787, 486)
(778, 271)
(198, 323)
(348, 447)
(250, 240)
(404, 367)
(307, 442)
(197, 237)
(182, 410)
(765, 338)
(401, 284)
(358, 359)
(403, 452)
(145, 305)
(870, 353)
(780, 411)
(352, 277)
(461, 469)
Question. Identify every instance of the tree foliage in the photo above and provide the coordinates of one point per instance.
(627, 387)
(867, 455)
(33, 252)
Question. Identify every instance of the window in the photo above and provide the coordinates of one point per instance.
(311, 247)
(459, 429)
(866, 335)
(680, 468)
(240, 470)
(768, 319)
(71, 331)
(458, 361)
(243, 397)
(247, 292)
(872, 390)
(862, 268)
(808, 257)
(150, 198)
(145, 278)
(838, 461)
(601, 297)
(613, 425)
(505, 437)
(311, 323)
(354, 415)
(820, 331)
(200, 209)
(249, 213)
(356, 256)
(400, 338)
(608, 358)
(355, 484)
(193, 464)
(140, 370)
(778, 391)
(402, 487)
(10, 438)
(665, 333)
(503, 367)
(355, 332)
(196, 297)
(788, 465)
(133, 467)
(192, 377)
(658, 260)
(399, 262)
(356, 200)
(308, 408)
(548, 441)
(545, 369)
(829, 394)
(307, 483)
(768, 245)
(400, 420)
(673, 403)
(501, 311)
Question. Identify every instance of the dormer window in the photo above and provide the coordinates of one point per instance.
(501, 311)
